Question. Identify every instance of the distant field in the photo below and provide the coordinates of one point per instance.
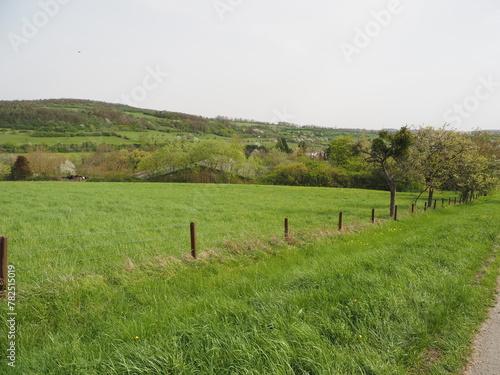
(150, 136)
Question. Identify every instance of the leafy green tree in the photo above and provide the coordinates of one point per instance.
(221, 155)
(340, 150)
(274, 157)
(21, 169)
(434, 154)
(389, 152)
(473, 173)
(173, 156)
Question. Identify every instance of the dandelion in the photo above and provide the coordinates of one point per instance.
(136, 337)
(360, 336)
(355, 300)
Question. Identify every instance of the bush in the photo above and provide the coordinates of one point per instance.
(4, 172)
(21, 169)
(311, 173)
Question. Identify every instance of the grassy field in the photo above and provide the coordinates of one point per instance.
(394, 298)
(129, 137)
(55, 222)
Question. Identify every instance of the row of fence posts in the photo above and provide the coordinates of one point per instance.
(341, 218)
(3, 240)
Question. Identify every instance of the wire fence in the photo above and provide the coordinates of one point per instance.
(81, 251)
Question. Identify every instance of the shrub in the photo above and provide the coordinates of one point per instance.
(21, 169)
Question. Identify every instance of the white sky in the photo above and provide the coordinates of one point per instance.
(426, 62)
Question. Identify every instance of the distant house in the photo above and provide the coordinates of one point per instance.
(316, 154)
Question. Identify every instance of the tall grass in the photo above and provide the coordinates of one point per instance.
(395, 298)
(59, 224)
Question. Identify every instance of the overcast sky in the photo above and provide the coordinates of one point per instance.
(348, 64)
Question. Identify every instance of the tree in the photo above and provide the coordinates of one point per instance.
(21, 169)
(472, 173)
(274, 157)
(340, 150)
(220, 155)
(43, 162)
(389, 152)
(282, 145)
(67, 168)
(434, 155)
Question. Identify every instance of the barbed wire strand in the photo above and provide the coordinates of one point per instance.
(139, 229)
(235, 231)
(237, 223)
(178, 226)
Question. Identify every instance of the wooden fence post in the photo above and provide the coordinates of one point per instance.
(340, 220)
(373, 215)
(286, 228)
(395, 212)
(413, 208)
(425, 206)
(193, 239)
(3, 264)
(435, 203)
(455, 201)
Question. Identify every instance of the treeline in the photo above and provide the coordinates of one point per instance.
(56, 118)
(49, 117)
(425, 160)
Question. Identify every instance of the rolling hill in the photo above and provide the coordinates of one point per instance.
(71, 121)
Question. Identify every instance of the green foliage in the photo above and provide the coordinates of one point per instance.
(391, 145)
(5, 171)
(310, 173)
(64, 125)
(388, 152)
(340, 150)
(282, 145)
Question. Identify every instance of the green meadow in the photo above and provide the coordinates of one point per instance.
(62, 222)
(106, 286)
